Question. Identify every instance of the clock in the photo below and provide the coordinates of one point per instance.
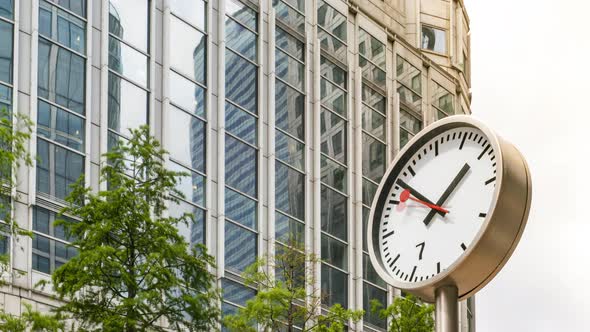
(450, 209)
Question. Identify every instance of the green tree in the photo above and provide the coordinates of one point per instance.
(283, 301)
(407, 314)
(134, 271)
(31, 320)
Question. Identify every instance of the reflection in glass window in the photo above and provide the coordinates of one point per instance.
(240, 123)
(289, 230)
(240, 39)
(289, 44)
(242, 13)
(369, 191)
(331, 20)
(289, 69)
(186, 136)
(192, 185)
(371, 48)
(70, 32)
(335, 284)
(194, 230)
(128, 62)
(373, 158)
(442, 100)
(333, 174)
(60, 126)
(76, 6)
(187, 95)
(241, 166)
(289, 150)
(434, 39)
(409, 75)
(289, 191)
(5, 52)
(289, 108)
(191, 11)
(240, 247)
(373, 123)
(333, 72)
(372, 72)
(333, 98)
(333, 139)
(128, 20)
(190, 48)
(241, 81)
(57, 169)
(410, 125)
(61, 76)
(334, 213)
(334, 252)
(371, 293)
(127, 105)
(332, 45)
(289, 16)
(49, 253)
(240, 209)
(5, 98)
(373, 98)
(236, 293)
(6, 8)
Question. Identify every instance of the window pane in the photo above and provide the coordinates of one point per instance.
(71, 31)
(334, 213)
(289, 191)
(443, 99)
(288, 230)
(334, 252)
(190, 48)
(6, 8)
(194, 232)
(371, 48)
(332, 45)
(241, 166)
(240, 209)
(77, 6)
(64, 165)
(333, 97)
(370, 274)
(333, 72)
(128, 62)
(373, 122)
(235, 292)
(61, 76)
(41, 264)
(373, 99)
(185, 135)
(240, 247)
(289, 108)
(127, 105)
(372, 72)
(5, 52)
(241, 123)
(240, 39)
(333, 174)
(192, 11)
(41, 221)
(241, 81)
(289, 69)
(371, 293)
(289, 44)
(60, 126)
(409, 99)
(331, 20)
(369, 190)
(289, 16)
(192, 186)
(409, 122)
(290, 150)
(128, 20)
(409, 75)
(366, 212)
(187, 95)
(333, 131)
(5, 98)
(434, 39)
(373, 158)
(242, 13)
(335, 285)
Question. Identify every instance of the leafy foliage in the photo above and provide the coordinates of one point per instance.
(134, 271)
(31, 321)
(282, 301)
(407, 314)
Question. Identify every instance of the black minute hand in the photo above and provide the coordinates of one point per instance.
(448, 192)
(416, 194)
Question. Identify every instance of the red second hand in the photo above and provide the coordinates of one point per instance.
(405, 195)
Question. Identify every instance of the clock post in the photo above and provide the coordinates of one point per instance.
(448, 214)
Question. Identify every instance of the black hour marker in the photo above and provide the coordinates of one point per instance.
(490, 180)
(437, 268)
(482, 215)
(411, 170)
(413, 271)
(462, 142)
(393, 201)
(463, 246)
(483, 152)
(388, 235)
(436, 148)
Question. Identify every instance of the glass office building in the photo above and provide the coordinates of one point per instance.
(284, 113)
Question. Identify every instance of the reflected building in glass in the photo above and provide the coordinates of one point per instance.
(284, 114)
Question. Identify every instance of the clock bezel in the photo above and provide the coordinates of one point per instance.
(499, 234)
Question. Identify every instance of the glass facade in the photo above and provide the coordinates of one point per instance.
(269, 139)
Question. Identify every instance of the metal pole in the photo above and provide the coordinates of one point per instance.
(447, 309)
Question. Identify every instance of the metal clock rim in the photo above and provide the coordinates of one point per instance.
(426, 288)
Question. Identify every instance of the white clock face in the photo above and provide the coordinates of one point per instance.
(437, 204)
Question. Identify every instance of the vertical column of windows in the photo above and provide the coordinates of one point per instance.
(374, 146)
(241, 148)
(6, 72)
(409, 81)
(128, 82)
(442, 101)
(187, 114)
(61, 122)
(290, 123)
(332, 34)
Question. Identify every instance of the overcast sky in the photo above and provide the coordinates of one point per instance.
(531, 83)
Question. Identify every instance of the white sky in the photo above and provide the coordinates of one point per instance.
(531, 83)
